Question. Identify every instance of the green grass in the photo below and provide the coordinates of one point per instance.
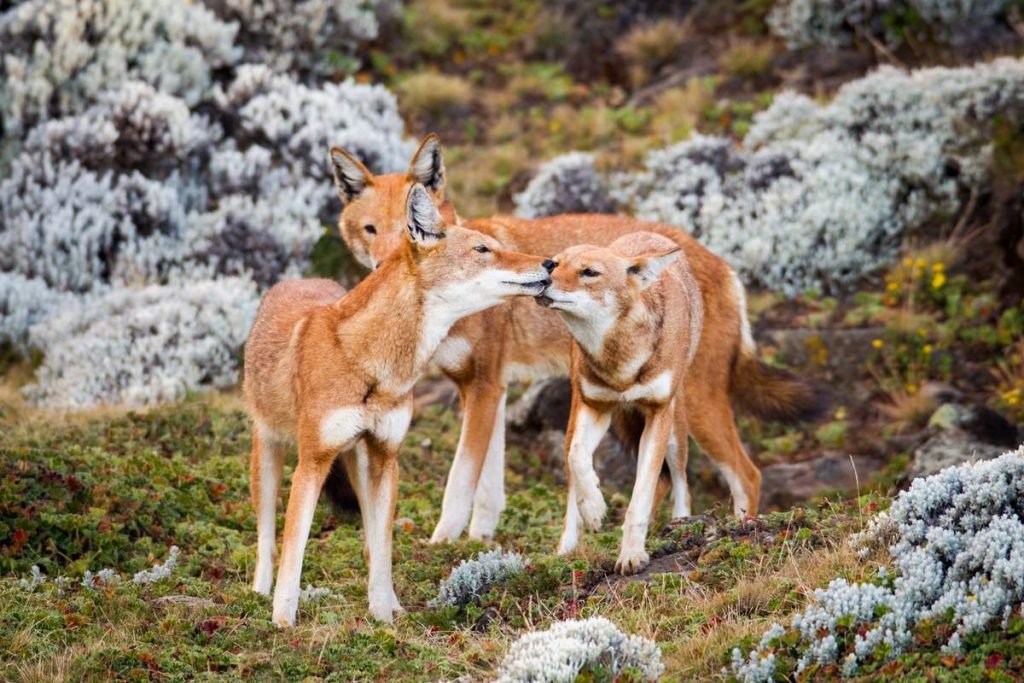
(118, 490)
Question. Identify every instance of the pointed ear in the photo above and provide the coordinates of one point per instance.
(427, 165)
(646, 269)
(350, 176)
(425, 225)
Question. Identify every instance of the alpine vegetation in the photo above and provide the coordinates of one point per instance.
(834, 23)
(158, 571)
(566, 184)
(142, 346)
(472, 578)
(149, 175)
(821, 195)
(957, 543)
(560, 653)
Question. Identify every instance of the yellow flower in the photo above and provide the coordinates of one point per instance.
(911, 388)
(920, 263)
(908, 262)
(878, 343)
(938, 280)
(922, 333)
(893, 286)
(938, 266)
(927, 349)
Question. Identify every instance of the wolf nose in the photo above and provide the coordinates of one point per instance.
(549, 265)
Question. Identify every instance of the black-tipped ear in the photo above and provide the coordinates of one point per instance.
(425, 225)
(427, 165)
(350, 176)
(647, 269)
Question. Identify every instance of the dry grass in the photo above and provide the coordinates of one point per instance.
(648, 47)
(435, 94)
(747, 58)
(904, 411)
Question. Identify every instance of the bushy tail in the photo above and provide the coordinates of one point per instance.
(339, 489)
(771, 393)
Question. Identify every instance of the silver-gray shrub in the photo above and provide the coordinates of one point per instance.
(472, 578)
(23, 303)
(308, 36)
(957, 546)
(60, 55)
(159, 571)
(142, 346)
(560, 653)
(567, 184)
(835, 23)
(821, 195)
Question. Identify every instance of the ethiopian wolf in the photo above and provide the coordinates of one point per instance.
(635, 313)
(334, 372)
(521, 341)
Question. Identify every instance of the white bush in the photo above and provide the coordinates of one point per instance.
(834, 23)
(561, 652)
(566, 184)
(297, 34)
(23, 303)
(822, 195)
(144, 346)
(60, 55)
(472, 578)
(158, 571)
(958, 548)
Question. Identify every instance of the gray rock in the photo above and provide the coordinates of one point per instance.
(786, 484)
(948, 448)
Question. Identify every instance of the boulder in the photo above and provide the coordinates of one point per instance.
(787, 484)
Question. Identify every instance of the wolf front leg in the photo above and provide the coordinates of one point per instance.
(489, 501)
(633, 556)
(480, 405)
(587, 426)
(374, 467)
(307, 480)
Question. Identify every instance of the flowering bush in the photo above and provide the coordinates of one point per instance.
(957, 543)
(822, 195)
(568, 648)
(142, 346)
(61, 55)
(139, 153)
(839, 22)
(567, 184)
(471, 578)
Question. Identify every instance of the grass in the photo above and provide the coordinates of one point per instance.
(116, 490)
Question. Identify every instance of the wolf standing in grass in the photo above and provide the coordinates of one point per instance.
(636, 314)
(334, 372)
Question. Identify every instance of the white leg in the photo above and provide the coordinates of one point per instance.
(740, 501)
(267, 462)
(381, 486)
(306, 483)
(633, 556)
(590, 428)
(571, 527)
(480, 405)
(489, 501)
(677, 468)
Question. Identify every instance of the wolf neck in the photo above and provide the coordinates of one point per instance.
(624, 349)
(401, 323)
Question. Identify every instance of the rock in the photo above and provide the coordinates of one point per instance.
(545, 405)
(948, 448)
(187, 600)
(614, 464)
(786, 484)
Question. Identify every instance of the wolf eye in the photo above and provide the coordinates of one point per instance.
(370, 229)
(480, 248)
(587, 272)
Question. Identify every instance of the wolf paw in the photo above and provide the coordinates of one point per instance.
(592, 507)
(631, 562)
